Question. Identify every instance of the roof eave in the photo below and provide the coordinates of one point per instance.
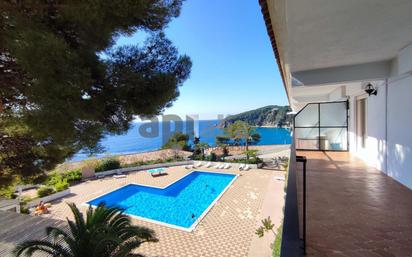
(266, 16)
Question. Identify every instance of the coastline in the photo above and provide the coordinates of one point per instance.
(163, 154)
(151, 155)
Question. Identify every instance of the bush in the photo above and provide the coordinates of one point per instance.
(54, 178)
(108, 164)
(24, 210)
(61, 185)
(178, 141)
(198, 157)
(73, 175)
(61, 181)
(45, 191)
(25, 199)
(256, 160)
(8, 192)
(212, 157)
(225, 151)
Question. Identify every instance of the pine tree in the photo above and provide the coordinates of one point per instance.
(64, 84)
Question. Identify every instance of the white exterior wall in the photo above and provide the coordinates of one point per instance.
(399, 135)
(375, 152)
(376, 129)
(389, 124)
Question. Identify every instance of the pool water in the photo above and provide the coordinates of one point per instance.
(179, 204)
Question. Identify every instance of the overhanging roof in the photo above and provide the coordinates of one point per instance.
(330, 42)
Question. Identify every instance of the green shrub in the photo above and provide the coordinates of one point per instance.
(256, 160)
(178, 141)
(278, 242)
(198, 157)
(25, 199)
(225, 151)
(8, 192)
(61, 185)
(54, 178)
(24, 209)
(107, 164)
(212, 157)
(73, 175)
(45, 191)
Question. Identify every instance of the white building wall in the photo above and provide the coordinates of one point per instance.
(389, 128)
(352, 124)
(389, 124)
(399, 136)
(374, 153)
(376, 129)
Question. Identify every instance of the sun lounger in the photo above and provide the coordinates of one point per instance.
(246, 167)
(119, 176)
(242, 166)
(216, 166)
(221, 166)
(157, 172)
(208, 165)
(227, 166)
(189, 167)
(198, 164)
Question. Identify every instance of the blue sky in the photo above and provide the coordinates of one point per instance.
(234, 69)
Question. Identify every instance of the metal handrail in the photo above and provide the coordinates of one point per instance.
(304, 161)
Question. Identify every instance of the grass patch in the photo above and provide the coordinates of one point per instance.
(276, 245)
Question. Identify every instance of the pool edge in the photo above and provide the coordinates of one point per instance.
(198, 220)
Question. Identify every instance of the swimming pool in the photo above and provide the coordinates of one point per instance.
(180, 205)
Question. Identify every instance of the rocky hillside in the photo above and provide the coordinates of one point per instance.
(271, 115)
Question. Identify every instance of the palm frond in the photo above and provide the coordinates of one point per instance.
(78, 217)
(126, 248)
(59, 234)
(107, 244)
(106, 232)
(29, 247)
(55, 233)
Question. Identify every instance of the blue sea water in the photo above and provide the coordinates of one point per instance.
(134, 141)
(180, 204)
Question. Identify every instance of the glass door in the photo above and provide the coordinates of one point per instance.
(322, 126)
(361, 131)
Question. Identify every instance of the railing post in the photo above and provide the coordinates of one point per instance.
(303, 160)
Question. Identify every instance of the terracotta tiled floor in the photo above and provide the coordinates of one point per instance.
(355, 210)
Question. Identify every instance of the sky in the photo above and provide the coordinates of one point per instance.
(234, 68)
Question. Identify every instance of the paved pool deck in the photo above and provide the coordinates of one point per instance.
(227, 230)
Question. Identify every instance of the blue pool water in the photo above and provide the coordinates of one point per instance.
(180, 204)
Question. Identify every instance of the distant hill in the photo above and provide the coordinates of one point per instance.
(271, 115)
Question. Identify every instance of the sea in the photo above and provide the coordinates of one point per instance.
(150, 136)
